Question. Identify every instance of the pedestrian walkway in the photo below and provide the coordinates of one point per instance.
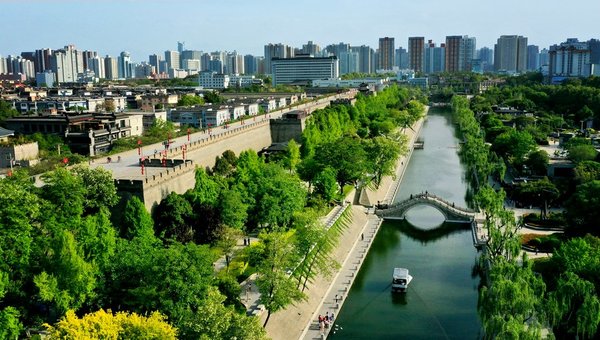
(336, 295)
(300, 321)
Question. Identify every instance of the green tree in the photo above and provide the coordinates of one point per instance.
(68, 281)
(382, 155)
(206, 190)
(100, 190)
(234, 212)
(7, 111)
(346, 156)
(326, 184)
(583, 211)
(277, 288)
(575, 306)
(587, 171)
(66, 193)
(514, 144)
(227, 242)
(292, 155)
(539, 193)
(137, 222)
(10, 325)
(213, 97)
(537, 162)
(512, 307)
(216, 321)
(190, 100)
(172, 217)
(581, 153)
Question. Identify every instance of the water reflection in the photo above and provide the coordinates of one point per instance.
(441, 301)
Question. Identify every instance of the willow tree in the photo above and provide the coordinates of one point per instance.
(276, 286)
(512, 306)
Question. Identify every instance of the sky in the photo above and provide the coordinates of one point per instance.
(144, 27)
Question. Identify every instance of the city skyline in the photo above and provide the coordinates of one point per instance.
(112, 26)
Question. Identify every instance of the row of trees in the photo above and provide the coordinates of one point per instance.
(516, 302)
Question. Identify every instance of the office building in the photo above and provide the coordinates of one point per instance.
(172, 59)
(416, 53)
(386, 53)
(303, 69)
(510, 54)
(66, 63)
(337, 49)
(533, 58)
(276, 51)
(155, 60)
(213, 80)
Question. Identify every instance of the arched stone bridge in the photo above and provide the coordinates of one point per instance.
(452, 213)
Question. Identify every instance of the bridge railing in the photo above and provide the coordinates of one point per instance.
(451, 207)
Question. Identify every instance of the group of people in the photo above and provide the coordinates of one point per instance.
(325, 321)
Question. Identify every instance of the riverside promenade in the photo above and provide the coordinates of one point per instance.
(300, 321)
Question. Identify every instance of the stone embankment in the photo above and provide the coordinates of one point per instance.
(327, 294)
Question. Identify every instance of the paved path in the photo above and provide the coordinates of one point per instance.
(300, 321)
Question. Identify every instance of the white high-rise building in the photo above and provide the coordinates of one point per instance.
(111, 67)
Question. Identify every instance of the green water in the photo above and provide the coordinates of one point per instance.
(441, 301)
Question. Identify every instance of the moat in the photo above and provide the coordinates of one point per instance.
(441, 301)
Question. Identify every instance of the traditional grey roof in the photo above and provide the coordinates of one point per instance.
(5, 133)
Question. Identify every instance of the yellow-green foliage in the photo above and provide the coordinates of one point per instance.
(106, 325)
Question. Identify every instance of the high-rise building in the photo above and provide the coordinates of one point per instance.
(154, 60)
(570, 59)
(172, 59)
(544, 57)
(190, 55)
(3, 66)
(486, 57)
(416, 53)
(276, 51)
(234, 63)
(87, 55)
(386, 53)
(42, 59)
(435, 58)
(311, 48)
(337, 49)
(124, 63)
(594, 45)
(533, 58)
(144, 71)
(510, 54)
(365, 58)
(111, 67)
(96, 64)
(66, 64)
(250, 64)
(460, 52)
(349, 62)
(180, 46)
(303, 69)
(402, 58)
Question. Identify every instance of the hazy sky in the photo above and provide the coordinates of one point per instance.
(145, 27)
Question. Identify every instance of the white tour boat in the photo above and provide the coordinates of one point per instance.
(400, 279)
